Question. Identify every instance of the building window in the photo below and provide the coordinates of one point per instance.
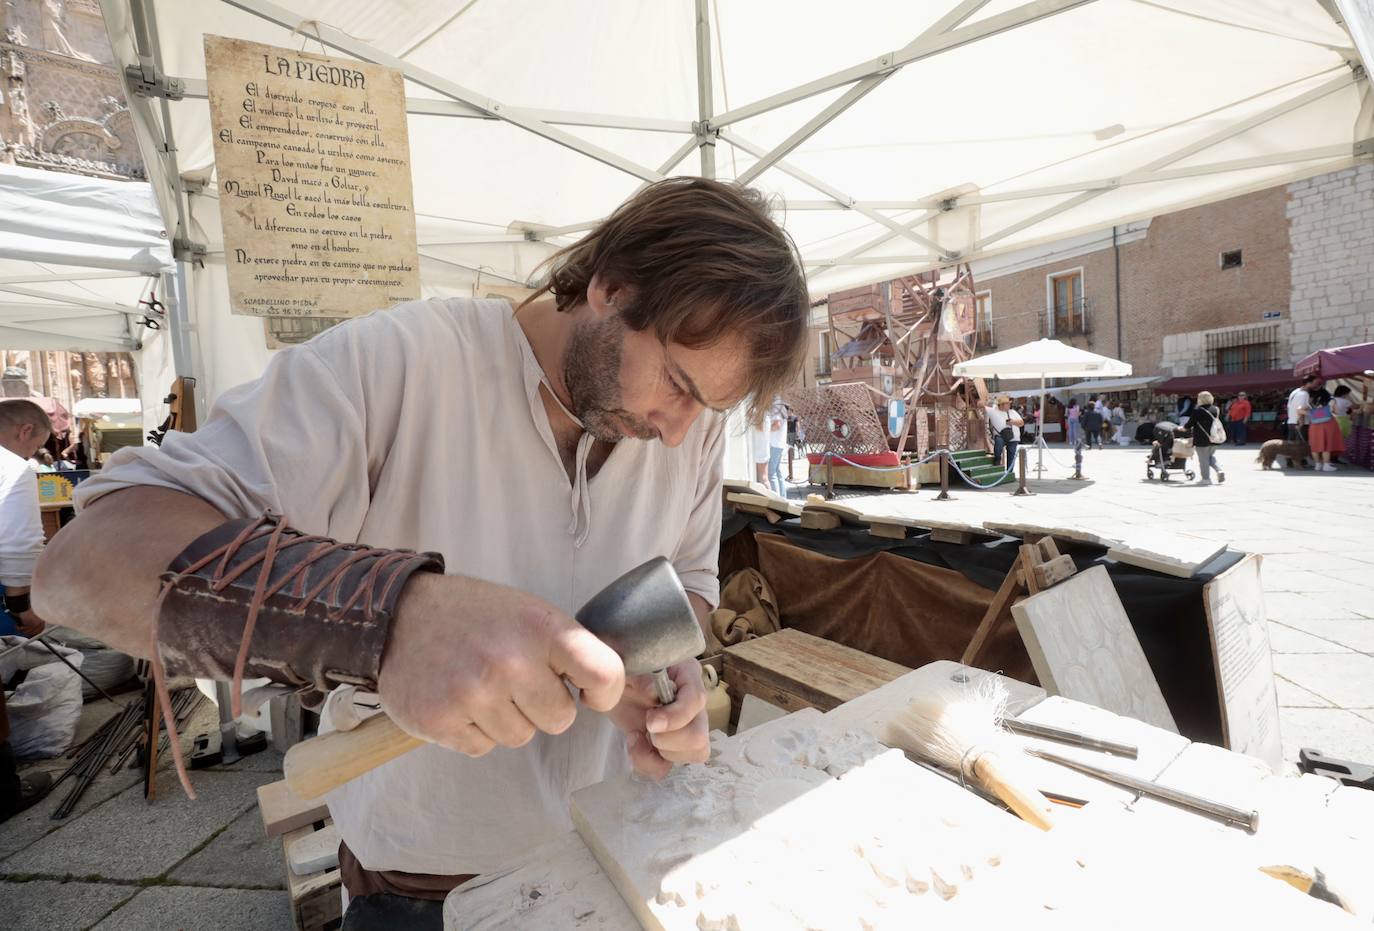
(1067, 306)
(982, 315)
(823, 352)
(1231, 259)
(1252, 357)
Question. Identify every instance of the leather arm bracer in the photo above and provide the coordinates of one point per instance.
(255, 598)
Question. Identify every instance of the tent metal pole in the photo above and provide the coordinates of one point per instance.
(706, 138)
(338, 39)
(1193, 148)
(1018, 16)
(856, 93)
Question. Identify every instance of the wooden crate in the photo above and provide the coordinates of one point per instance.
(316, 902)
(795, 670)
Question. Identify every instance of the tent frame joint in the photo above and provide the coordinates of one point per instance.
(156, 84)
(705, 133)
(186, 250)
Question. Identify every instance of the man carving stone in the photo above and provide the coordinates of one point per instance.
(533, 453)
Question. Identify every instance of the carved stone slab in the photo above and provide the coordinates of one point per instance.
(556, 887)
(1083, 647)
(795, 826)
(1171, 553)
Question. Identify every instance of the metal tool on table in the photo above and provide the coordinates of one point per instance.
(644, 616)
(1227, 814)
(1071, 738)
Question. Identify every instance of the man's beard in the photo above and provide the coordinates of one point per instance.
(591, 373)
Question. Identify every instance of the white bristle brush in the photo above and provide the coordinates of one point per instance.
(959, 729)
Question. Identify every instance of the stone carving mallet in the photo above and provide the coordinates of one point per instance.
(644, 616)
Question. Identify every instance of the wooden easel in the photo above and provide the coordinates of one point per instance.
(1038, 566)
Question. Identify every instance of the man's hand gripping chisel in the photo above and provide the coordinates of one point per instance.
(644, 616)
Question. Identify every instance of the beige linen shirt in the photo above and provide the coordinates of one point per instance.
(422, 427)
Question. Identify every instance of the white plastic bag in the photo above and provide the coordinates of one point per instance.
(45, 708)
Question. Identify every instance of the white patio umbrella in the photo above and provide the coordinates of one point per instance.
(1043, 358)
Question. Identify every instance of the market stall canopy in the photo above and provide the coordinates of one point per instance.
(76, 257)
(1043, 358)
(114, 408)
(1229, 383)
(1341, 362)
(898, 135)
(1098, 385)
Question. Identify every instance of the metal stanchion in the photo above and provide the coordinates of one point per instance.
(829, 477)
(1021, 468)
(944, 476)
(1078, 475)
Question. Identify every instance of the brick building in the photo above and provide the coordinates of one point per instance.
(1248, 284)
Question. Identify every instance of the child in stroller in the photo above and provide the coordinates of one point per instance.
(1169, 453)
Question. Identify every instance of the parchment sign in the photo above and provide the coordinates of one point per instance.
(313, 160)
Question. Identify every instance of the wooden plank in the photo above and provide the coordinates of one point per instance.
(1083, 647)
(1001, 601)
(283, 810)
(1239, 634)
(316, 904)
(851, 475)
(813, 519)
(1054, 571)
(943, 535)
(792, 670)
(888, 531)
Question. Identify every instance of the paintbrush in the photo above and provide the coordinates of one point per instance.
(960, 729)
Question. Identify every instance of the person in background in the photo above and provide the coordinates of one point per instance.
(1203, 415)
(24, 428)
(1091, 419)
(42, 461)
(1323, 433)
(1074, 427)
(1118, 422)
(1341, 405)
(758, 445)
(1185, 408)
(1238, 414)
(777, 445)
(1299, 401)
(1005, 425)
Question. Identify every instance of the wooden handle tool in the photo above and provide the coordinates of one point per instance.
(327, 762)
(1026, 801)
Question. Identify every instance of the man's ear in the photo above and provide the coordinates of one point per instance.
(605, 297)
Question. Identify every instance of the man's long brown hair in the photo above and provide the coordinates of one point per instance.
(704, 260)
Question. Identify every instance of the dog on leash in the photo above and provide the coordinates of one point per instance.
(1295, 453)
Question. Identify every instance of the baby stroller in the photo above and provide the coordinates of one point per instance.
(1169, 453)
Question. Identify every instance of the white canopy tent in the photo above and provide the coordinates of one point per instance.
(77, 255)
(899, 135)
(1043, 358)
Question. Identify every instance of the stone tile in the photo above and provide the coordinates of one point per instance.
(27, 827)
(268, 761)
(1333, 731)
(43, 905)
(1353, 633)
(130, 838)
(1295, 696)
(1345, 679)
(1286, 606)
(195, 908)
(241, 856)
(1285, 639)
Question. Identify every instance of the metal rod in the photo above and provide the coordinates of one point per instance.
(1073, 738)
(68, 663)
(1227, 814)
(944, 476)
